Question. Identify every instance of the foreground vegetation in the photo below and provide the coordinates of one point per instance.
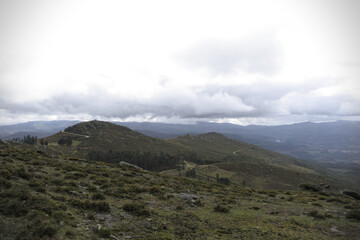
(53, 196)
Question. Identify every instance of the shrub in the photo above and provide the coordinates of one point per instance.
(14, 208)
(98, 206)
(46, 229)
(137, 209)
(5, 173)
(309, 187)
(355, 214)
(271, 193)
(335, 199)
(92, 188)
(98, 196)
(155, 190)
(104, 233)
(221, 209)
(5, 183)
(316, 204)
(23, 174)
(352, 194)
(315, 215)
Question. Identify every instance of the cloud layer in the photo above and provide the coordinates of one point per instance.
(183, 61)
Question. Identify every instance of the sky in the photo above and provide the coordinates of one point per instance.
(245, 62)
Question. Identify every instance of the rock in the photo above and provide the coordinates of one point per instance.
(335, 230)
(99, 226)
(188, 196)
(113, 237)
(62, 223)
(125, 215)
(75, 193)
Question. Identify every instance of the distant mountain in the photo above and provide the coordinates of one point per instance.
(35, 128)
(20, 135)
(328, 141)
(323, 142)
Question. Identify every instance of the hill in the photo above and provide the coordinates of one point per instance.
(55, 196)
(212, 155)
(104, 137)
(248, 165)
(326, 142)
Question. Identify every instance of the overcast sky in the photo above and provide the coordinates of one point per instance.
(245, 62)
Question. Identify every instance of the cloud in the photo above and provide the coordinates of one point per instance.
(209, 102)
(261, 54)
(166, 102)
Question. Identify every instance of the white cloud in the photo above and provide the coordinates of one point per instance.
(244, 61)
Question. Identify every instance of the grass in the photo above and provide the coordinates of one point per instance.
(59, 197)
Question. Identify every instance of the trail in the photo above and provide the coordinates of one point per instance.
(234, 152)
(85, 136)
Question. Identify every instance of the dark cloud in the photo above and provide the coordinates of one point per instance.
(262, 54)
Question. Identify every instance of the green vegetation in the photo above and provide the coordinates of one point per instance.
(221, 209)
(54, 196)
(200, 157)
(212, 188)
(146, 160)
(137, 209)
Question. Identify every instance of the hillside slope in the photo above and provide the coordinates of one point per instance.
(242, 163)
(249, 165)
(105, 136)
(54, 196)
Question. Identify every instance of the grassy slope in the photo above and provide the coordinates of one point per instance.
(60, 197)
(104, 136)
(215, 147)
(258, 167)
(248, 164)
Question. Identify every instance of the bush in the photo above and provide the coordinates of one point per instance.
(98, 206)
(46, 230)
(23, 174)
(137, 209)
(352, 194)
(355, 214)
(309, 187)
(315, 215)
(5, 173)
(14, 208)
(271, 193)
(221, 209)
(104, 233)
(155, 190)
(316, 204)
(98, 196)
(5, 183)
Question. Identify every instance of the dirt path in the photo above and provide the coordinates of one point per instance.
(85, 136)
(235, 152)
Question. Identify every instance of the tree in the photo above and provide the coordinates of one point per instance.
(30, 140)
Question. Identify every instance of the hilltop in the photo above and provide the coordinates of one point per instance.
(105, 136)
(55, 196)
